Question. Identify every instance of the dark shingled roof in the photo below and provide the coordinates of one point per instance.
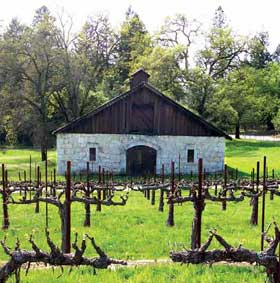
(156, 92)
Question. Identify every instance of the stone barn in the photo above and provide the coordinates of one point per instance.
(136, 132)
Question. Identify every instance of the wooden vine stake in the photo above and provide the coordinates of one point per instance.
(255, 199)
(46, 189)
(263, 202)
(6, 222)
(170, 219)
(199, 207)
(68, 210)
(161, 196)
(87, 205)
(224, 193)
(37, 207)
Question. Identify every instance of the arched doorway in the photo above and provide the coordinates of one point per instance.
(141, 160)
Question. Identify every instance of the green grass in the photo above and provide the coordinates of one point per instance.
(244, 154)
(18, 160)
(241, 154)
(138, 231)
(150, 274)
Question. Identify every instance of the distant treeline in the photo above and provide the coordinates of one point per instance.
(50, 75)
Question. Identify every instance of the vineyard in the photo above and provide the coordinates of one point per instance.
(138, 220)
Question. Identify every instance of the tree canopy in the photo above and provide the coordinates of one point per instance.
(50, 75)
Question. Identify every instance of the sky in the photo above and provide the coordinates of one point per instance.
(245, 16)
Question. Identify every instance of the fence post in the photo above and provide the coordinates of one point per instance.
(98, 206)
(30, 162)
(46, 190)
(263, 202)
(68, 210)
(99, 174)
(37, 208)
(170, 219)
(253, 178)
(224, 203)
(161, 201)
(200, 200)
(87, 205)
(153, 198)
(54, 176)
(255, 200)
(179, 168)
(5, 205)
(104, 182)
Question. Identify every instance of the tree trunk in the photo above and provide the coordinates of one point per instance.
(224, 202)
(37, 207)
(255, 210)
(170, 219)
(104, 194)
(62, 214)
(237, 130)
(43, 152)
(266, 258)
(87, 216)
(98, 206)
(161, 201)
(6, 222)
(199, 206)
(148, 194)
(153, 198)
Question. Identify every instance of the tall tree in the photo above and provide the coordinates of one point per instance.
(82, 62)
(180, 31)
(164, 67)
(30, 59)
(134, 41)
(258, 55)
(236, 92)
(220, 55)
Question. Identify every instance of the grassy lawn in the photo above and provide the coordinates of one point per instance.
(18, 160)
(244, 154)
(138, 231)
(150, 274)
(241, 154)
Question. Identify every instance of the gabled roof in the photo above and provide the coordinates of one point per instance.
(156, 92)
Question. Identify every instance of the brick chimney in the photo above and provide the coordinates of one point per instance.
(138, 77)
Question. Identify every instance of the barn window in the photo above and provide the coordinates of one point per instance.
(142, 121)
(190, 155)
(92, 154)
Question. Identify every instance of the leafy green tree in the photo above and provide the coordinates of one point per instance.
(258, 55)
(81, 69)
(222, 114)
(276, 121)
(30, 55)
(221, 55)
(253, 94)
(163, 66)
(134, 42)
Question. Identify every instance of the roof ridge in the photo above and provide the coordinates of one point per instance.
(157, 92)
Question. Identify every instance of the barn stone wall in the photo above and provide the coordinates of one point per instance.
(111, 151)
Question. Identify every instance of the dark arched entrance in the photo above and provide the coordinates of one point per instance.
(141, 160)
